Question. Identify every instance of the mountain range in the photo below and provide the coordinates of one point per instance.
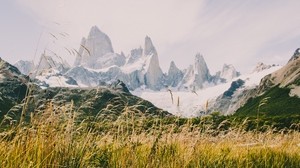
(189, 92)
(96, 64)
(20, 95)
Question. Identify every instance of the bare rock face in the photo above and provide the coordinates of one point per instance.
(149, 47)
(140, 68)
(296, 55)
(153, 75)
(25, 67)
(201, 70)
(135, 54)
(228, 72)
(47, 62)
(96, 51)
(196, 75)
(261, 66)
(175, 75)
(285, 76)
(97, 63)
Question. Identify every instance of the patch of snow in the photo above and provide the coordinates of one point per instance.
(101, 69)
(55, 81)
(139, 64)
(254, 78)
(53, 78)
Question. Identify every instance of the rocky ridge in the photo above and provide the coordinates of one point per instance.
(109, 102)
(97, 64)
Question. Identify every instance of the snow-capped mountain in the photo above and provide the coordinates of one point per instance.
(174, 76)
(141, 68)
(261, 66)
(197, 74)
(190, 92)
(286, 76)
(97, 64)
(25, 67)
(47, 62)
(281, 89)
(48, 73)
(54, 78)
(224, 97)
(228, 72)
(96, 51)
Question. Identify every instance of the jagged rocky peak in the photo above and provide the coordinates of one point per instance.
(200, 65)
(196, 75)
(25, 67)
(135, 54)
(261, 66)
(173, 68)
(229, 72)
(175, 75)
(201, 70)
(47, 62)
(154, 74)
(296, 55)
(100, 41)
(80, 52)
(96, 51)
(149, 47)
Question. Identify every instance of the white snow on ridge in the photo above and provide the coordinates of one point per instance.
(191, 104)
(53, 78)
(254, 78)
(56, 81)
(140, 64)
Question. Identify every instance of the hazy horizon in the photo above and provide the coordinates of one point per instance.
(235, 32)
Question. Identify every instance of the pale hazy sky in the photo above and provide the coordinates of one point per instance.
(238, 32)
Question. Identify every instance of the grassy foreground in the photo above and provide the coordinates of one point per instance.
(58, 139)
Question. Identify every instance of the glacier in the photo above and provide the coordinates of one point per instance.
(195, 91)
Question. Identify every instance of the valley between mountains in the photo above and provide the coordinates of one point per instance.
(190, 92)
(115, 110)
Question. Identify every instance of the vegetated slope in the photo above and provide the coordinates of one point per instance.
(12, 86)
(225, 98)
(105, 101)
(281, 88)
(279, 102)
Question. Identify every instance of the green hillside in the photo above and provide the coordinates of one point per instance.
(279, 103)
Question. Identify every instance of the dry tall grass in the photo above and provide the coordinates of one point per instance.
(56, 139)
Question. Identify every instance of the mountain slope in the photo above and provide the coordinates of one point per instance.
(25, 67)
(206, 100)
(13, 86)
(279, 102)
(96, 51)
(96, 64)
(281, 88)
(140, 69)
(108, 102)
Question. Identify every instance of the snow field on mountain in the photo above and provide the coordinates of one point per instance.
(193, 103)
